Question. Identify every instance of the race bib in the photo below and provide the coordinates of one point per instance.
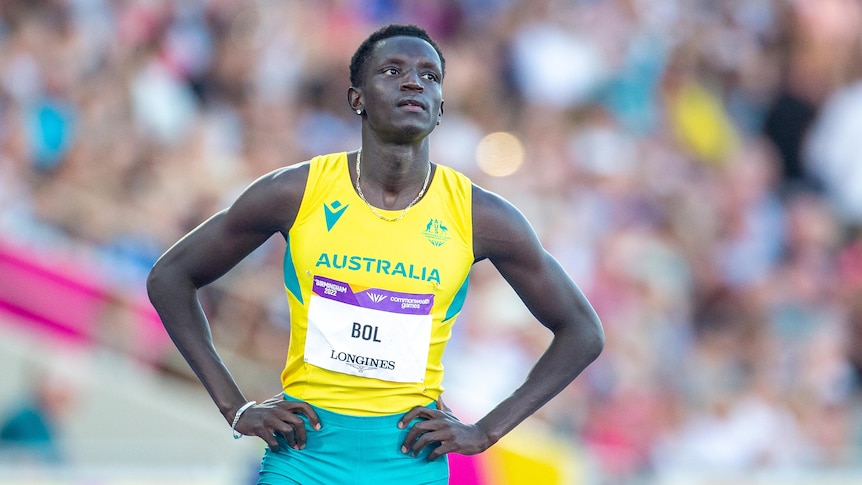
(368, 333)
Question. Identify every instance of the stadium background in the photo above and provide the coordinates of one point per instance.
(695, 165)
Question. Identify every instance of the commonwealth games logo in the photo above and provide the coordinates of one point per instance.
(436, 232)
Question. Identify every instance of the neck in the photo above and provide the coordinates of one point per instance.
(394, 167)
(393, 180)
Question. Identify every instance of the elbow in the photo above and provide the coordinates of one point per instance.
(591, 338)
(585, 338)
(155, 281)
(161, 281)
(167, 282)
(596, 339)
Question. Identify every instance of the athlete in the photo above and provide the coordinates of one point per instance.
(379, 246)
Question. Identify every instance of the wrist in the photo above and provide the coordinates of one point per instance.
(228, 409)
(237, 435)
(491, 437)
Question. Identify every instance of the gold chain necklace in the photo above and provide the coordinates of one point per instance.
(371, 207)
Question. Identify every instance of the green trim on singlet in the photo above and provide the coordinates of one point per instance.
(458, 301)
(291, 281)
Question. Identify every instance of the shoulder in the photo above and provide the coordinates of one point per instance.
(499, 228)
(283, 185)
(284, 182)
(489, 205)
(273, 199)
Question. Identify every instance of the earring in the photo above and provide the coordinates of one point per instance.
(359, 111)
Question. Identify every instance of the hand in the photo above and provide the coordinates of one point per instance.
(441, 426)
(276, 415)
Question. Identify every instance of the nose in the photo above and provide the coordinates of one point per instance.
(411, 81)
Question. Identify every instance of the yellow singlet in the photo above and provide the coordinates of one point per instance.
(372, 302)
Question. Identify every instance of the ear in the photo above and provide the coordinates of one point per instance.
(354, 99)
(440, 114)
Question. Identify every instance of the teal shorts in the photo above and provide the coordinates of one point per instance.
(351, 450)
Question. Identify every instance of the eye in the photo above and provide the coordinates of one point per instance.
(390, 71)
(430, 76)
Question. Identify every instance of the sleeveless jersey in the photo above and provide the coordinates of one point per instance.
(372, 302)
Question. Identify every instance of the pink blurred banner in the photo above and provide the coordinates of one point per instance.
(70, 300)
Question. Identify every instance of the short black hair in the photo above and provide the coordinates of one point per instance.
(363, 52)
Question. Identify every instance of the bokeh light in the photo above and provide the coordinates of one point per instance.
(500, 154)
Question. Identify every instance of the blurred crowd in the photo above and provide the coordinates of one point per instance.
(695, 165)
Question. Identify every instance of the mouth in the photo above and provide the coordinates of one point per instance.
(412, 105)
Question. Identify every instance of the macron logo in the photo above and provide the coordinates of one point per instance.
(376, 298)
(333, 212)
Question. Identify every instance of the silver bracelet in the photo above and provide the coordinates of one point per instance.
(239, 412)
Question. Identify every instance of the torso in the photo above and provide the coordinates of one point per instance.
(373, 302)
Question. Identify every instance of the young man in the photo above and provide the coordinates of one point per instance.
(380, 243)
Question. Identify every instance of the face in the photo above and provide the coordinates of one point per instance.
(401, 92)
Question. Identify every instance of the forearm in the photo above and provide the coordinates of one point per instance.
(569, 353)
(177, 304)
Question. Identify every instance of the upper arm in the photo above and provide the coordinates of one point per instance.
(267, 206)
(503, 235)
